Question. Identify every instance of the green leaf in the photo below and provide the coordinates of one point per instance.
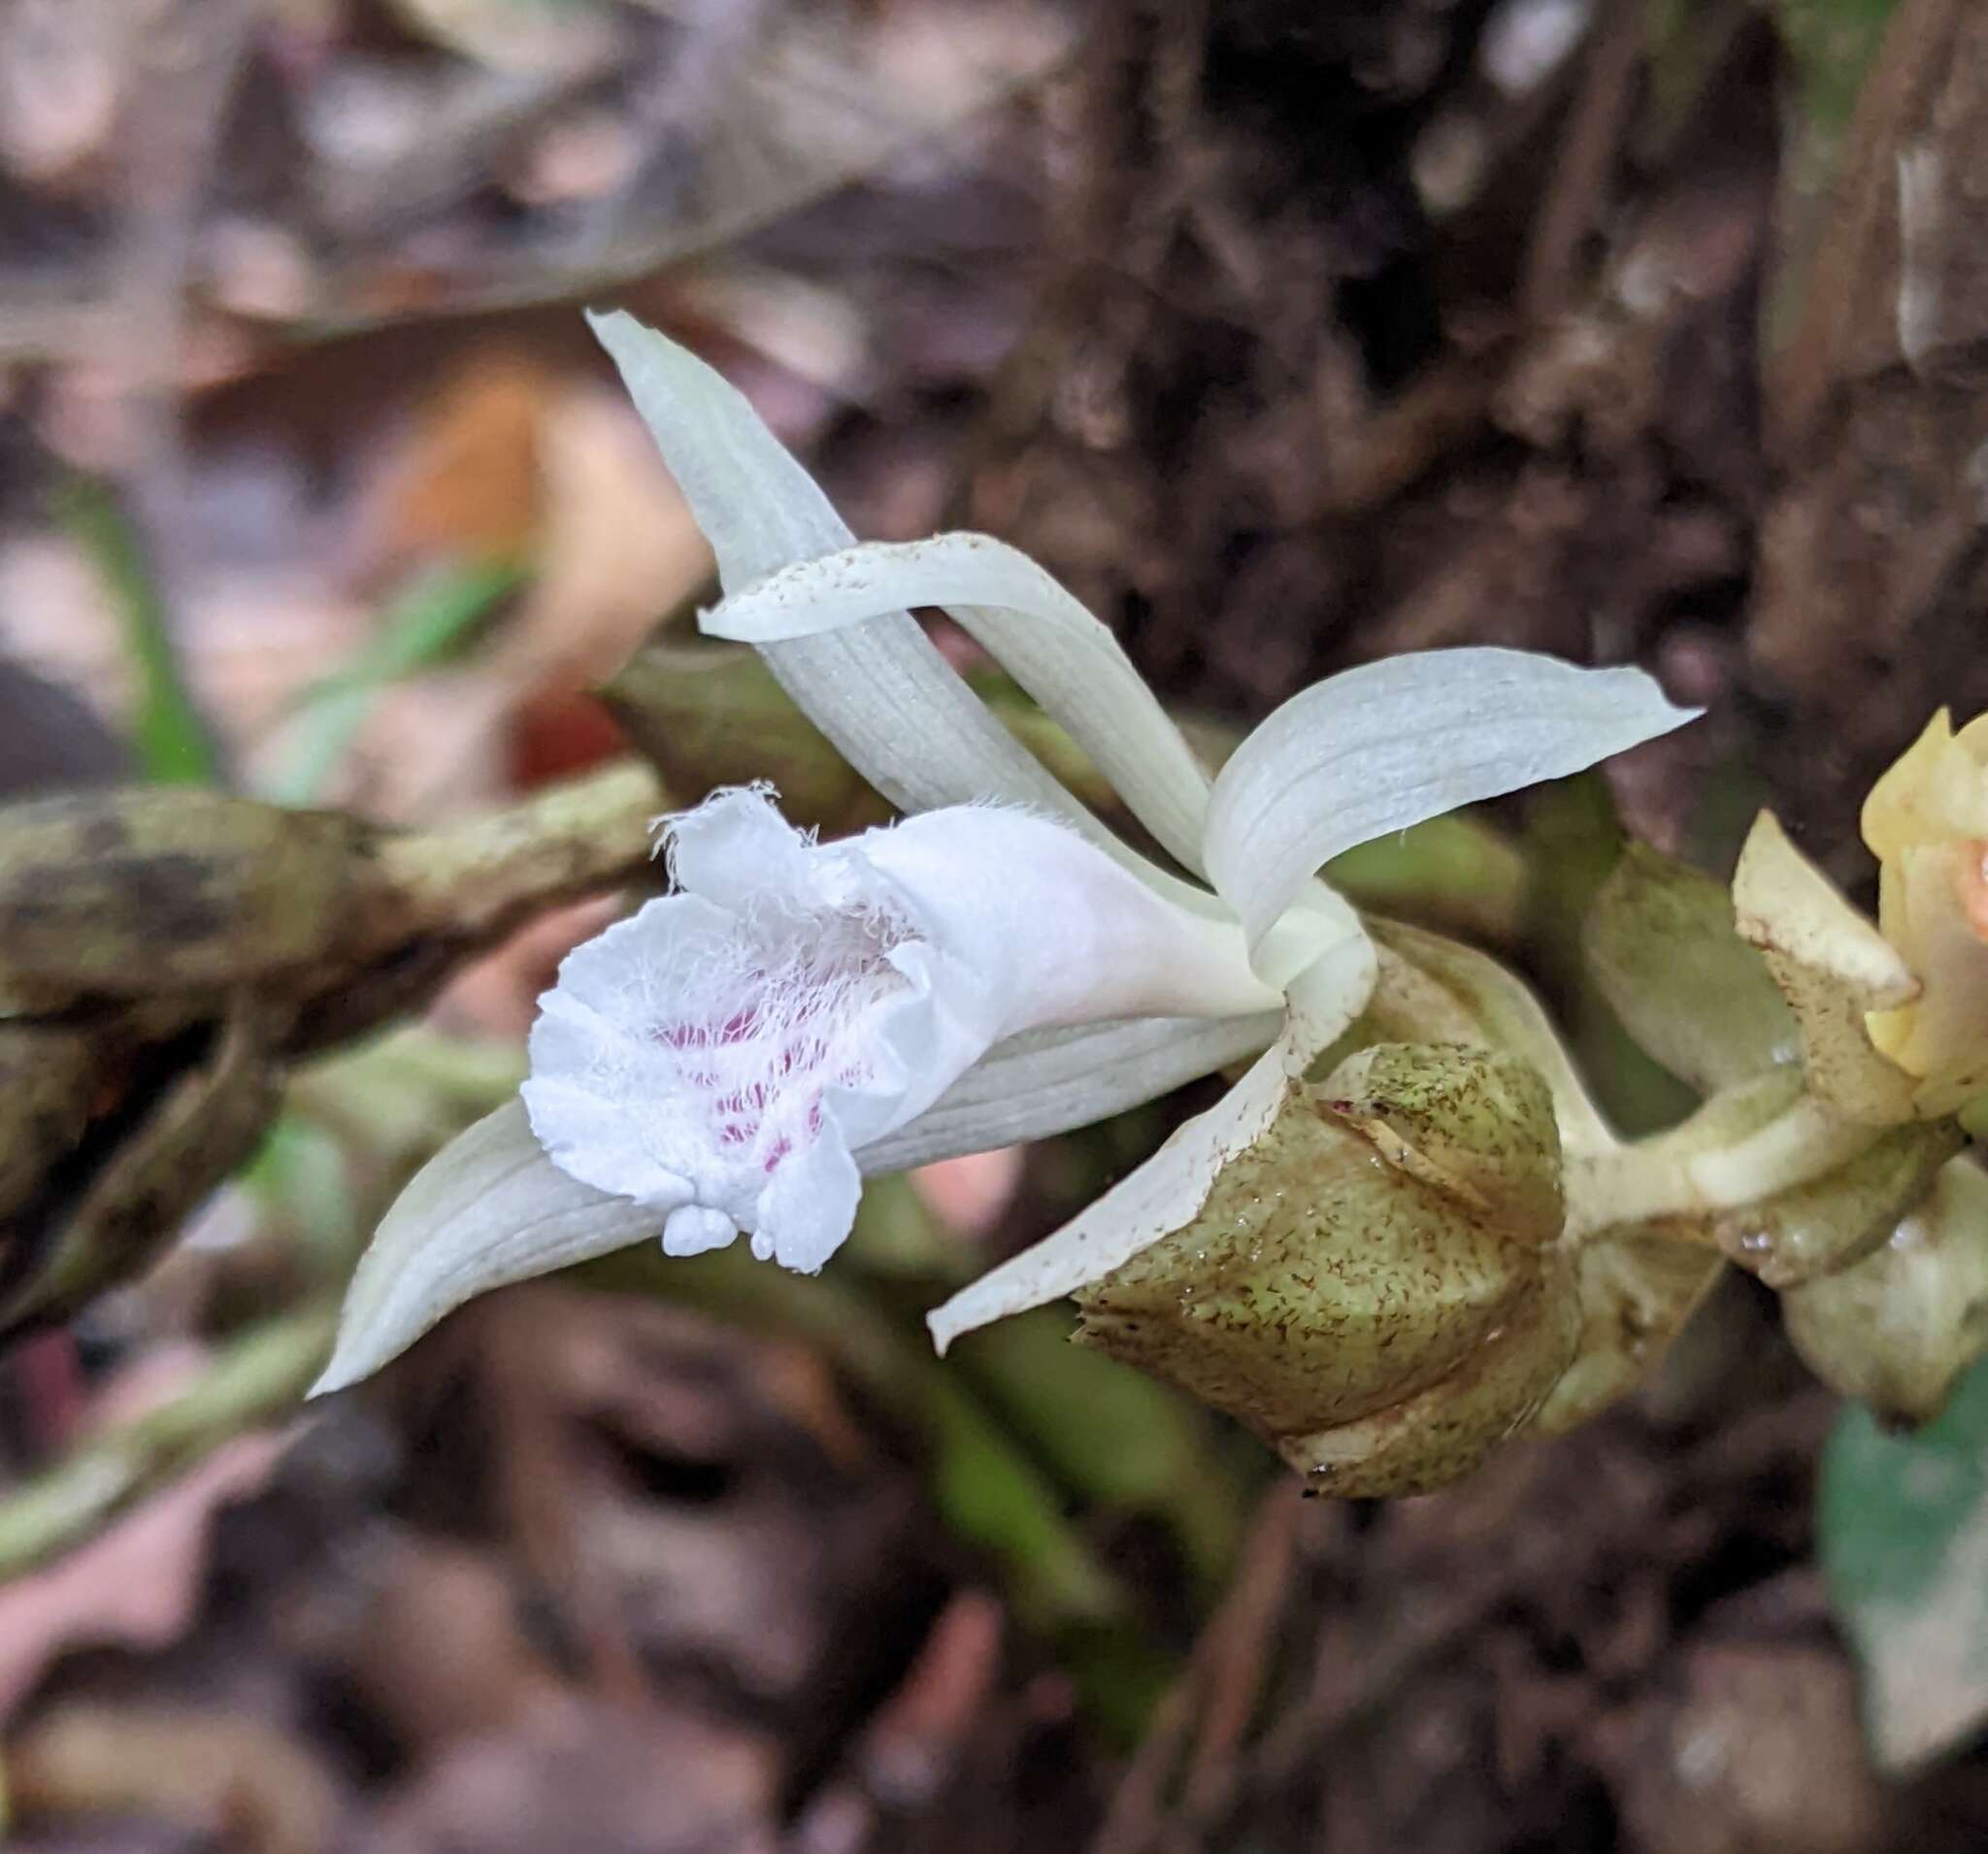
(1903, 1527)
(426, 623)
(172, 741)
(1835, 43)
(1113, 1436)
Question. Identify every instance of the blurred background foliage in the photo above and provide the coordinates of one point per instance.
(1286, 337)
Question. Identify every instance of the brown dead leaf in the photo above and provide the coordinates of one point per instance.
(514, 462)
(618, 546)
(441, 1652)
(463, 482)
(610, 1782)
(1759, 1751)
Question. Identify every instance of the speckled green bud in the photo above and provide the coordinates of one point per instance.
(1376, 1286)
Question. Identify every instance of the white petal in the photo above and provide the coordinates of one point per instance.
(1378, 748)
(730, 1045)
(880, 691)
(808, 1204)
(1051, 645)
(1050, 1080)
(1328, 993)
(490, 1208)
(1164, 1195)
(1060, 932)
(694, 1229)
(693, 1052)
(736, 848)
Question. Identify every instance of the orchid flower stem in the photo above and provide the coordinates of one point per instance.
(256, 1380)
(1671, 1177)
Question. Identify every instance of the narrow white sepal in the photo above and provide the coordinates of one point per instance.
(1391, 743)
(1037, 631)
(893, 707)
(1048, 1082)
(487, 1209)
(1328, 993)
(1164, 1195)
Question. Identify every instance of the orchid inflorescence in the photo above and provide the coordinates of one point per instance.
(736, 1055)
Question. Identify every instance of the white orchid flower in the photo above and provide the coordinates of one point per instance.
(1000, 966)
(723, 1054)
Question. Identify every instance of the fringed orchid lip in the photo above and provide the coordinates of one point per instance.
(724, 1054)
(1280, 965)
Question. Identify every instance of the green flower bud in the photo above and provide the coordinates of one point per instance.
(1661, 945)
(1431, 990)
(1375, 1285)
(1899, 1329)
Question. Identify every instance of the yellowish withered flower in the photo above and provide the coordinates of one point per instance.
(1893, 1018)
(1925, 821)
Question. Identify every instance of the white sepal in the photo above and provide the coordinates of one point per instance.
(1047, 1081)
(1391, 743)
(880, 691)
(1044, 638)
(487, 1209)
(1164, 1195)
(1333, 989)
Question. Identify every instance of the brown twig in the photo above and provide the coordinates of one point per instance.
(1574, 197)
(1210, 1705)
